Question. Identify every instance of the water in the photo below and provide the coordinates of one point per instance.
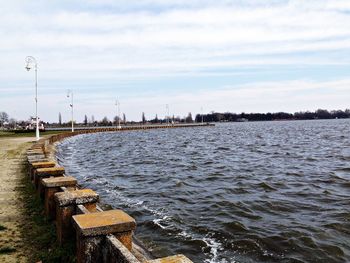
(239, 192)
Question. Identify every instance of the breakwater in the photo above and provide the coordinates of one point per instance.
(101, 236)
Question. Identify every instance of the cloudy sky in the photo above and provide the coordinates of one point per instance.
(237, 56)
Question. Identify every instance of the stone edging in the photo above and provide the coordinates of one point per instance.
(101, 236)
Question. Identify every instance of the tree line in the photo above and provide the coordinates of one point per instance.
(211, 117)
(105, 121)
(302, 115)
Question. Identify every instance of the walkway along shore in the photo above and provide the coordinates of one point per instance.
(12, 155)
(101, 236)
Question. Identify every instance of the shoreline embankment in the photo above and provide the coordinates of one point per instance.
(101, 236)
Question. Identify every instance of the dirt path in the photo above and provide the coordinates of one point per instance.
(11, 172)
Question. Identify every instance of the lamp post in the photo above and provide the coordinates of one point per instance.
(70, 94)
(30, 61)
(117, 104)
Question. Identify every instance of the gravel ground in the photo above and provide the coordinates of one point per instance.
(12, 154)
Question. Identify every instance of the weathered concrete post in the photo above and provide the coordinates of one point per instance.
(38, 165)
(35, 152)
(172, 259)
(45, 173)
(66, 207)
(36, 158)
(53, 185)
(117, 252)
(91, 230)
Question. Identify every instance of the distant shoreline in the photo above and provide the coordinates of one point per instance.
(277, 116)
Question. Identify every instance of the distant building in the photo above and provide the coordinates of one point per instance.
(31, 125)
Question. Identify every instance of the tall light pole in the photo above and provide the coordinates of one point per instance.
(70, 94)
(29, 62)
(117, 105)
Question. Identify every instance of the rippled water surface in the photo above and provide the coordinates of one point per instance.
(240, 192)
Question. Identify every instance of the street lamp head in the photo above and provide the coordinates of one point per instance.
(30, 61)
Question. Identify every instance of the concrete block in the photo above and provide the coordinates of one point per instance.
(36, 158)
(51, 186)
(172, 259)
(77, 197)
(103, 223)
(37, 165)
(37, 146)
(64, 229)
(35, 152)
(51, 171)
(116, 252)
(35, 155)
(92, 229)
(66, 203)
(90, 249)
(53, 182)
(47, 172)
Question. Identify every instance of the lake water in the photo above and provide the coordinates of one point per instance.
(236, 192)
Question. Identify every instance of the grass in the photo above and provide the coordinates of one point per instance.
(11, 134)
(38, 233)
(2, 228)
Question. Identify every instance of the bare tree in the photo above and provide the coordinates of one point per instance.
(4, 117)
(189, 117)
(105, 121)
(12, 123)
(116, 119)
(143, 118)
(85, 120)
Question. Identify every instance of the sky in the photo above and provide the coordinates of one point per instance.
(215, 55)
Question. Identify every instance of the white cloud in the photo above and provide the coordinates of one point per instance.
(289, 96)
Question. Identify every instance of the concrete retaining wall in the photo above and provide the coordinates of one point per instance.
(101, 236)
